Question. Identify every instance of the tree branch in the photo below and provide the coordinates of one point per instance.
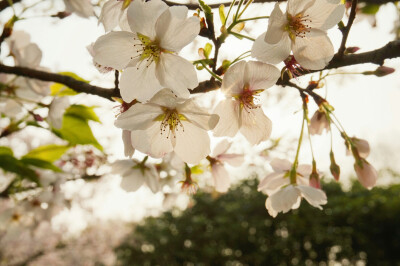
(346, 30)
(72, 83)
(378, 56)
(194, 6)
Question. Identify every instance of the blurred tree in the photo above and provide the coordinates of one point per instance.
(235, 229)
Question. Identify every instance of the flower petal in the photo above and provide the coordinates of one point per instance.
(315, 197)
(271, 53)
(110, 15)
(228, 112)
(232, 159)
(284, 199)
(152, 179)
(314, 51)
(255, 126)
(233, 82)
(128, 148)
(143, 15)
(152, 141)
(260, 76)
(192, 143)
(221, 178)
(138, 117)
(295, 7)
(139, 83)
(221, 148)
(324, 15)
(280, 165)
(276, 24)
(115, 49)
(132, 180)
(174, 30)
(197, 115)
(265, 182)
(176, 73)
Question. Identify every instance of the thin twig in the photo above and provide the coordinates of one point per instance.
(346, 30)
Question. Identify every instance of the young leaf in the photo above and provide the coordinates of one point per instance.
(48, 153)
(222, 16)
(6, 151)
(83, 112)
(41, 164)
(60, 90)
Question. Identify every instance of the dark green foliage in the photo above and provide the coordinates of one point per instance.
(235, 228)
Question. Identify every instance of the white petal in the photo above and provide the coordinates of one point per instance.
(267, 180)
(32, 55)
(174, 30)
(132, 180)
(115, 49)
(232, 159)
(151, 141)
(82, 8)
(270, 210)
(228, 112)
(280, 165)
(139, 83)
(128, 148)
(192, 143)
(57, 110)
(143, 15)
(304, 170)
(260, 76)
(221, 178)
(233, 82)
(138, 117)
(152, 179)
(316, 197)
(197, 116)
(324, 15)
(110, 15)
(276, 24)
(177, 74)
(366, 174)
(295, 7)
(271, 53)
(221, 148)
(284, 199)
(314, 51)
(166, 98)
(255, 126)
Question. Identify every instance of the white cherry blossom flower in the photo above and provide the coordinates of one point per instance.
(290, 197)
(135, 174)
(239, 112)
(148, 53)
(366, 173)
(114, 13)
(280, 177)
(82, 8)
(217, 159)
(301, 29)
(362, 147)
(168, 123)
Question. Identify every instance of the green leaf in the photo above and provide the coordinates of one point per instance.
(58, 89)
(77, 131)
(207, 50)
(207, 12)
(41, 164)
(83, 112)
(6, 150)
(48, 153)
(11, 164)
(370, 9)
(222, 14)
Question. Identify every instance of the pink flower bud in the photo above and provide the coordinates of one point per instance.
(366, 173)
(383, 71)
(335, 169)
(351, 50)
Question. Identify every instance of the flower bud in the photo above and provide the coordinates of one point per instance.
(351, 50)
(314, 177)
(383, 71)
(366, 173)
(335, 169)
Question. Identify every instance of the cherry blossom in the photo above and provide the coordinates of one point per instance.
(168, 123)
(135, 174)
(361, 145)
(56, 111)
(148, 53)
(302, 29)
(217, 159)
(239, 112)
(280, 177)
(319, 122)
(290, 197)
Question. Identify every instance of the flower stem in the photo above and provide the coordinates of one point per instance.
(212, 73)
